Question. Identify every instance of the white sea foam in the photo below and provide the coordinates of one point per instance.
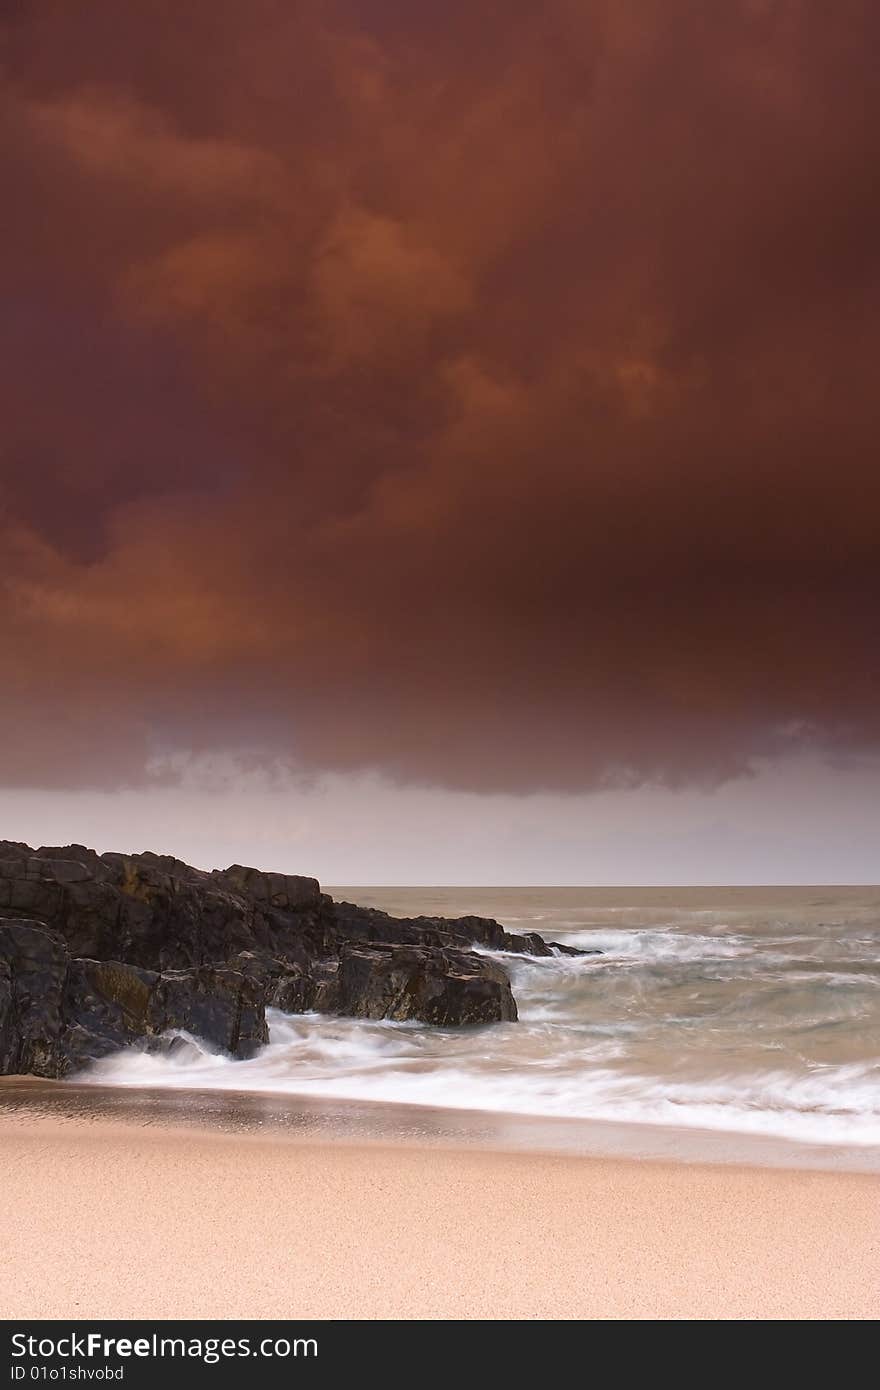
(770, 1028)
(314, 1056)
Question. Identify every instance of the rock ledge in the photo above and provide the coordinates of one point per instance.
(98, 952)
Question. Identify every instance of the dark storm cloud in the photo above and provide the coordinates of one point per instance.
(488, 396)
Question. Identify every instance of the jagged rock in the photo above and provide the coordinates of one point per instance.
(370, 924)
(441, 986)
(223, 1007)
(56, 1013)
(108, 1004)
(109, 996)
(24, 894)
(290, 891)
(33, 968)
(101, 951)
(296, 991)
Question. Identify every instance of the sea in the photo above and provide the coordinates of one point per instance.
(717, 1022)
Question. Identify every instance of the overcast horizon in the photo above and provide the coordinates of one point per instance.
(778, 826)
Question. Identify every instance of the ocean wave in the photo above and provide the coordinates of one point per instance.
(312, 1056)
(660, 944)
(704, 1020)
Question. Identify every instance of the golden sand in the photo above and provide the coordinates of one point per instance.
(102, 1220)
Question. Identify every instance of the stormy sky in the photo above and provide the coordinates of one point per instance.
(463, 412)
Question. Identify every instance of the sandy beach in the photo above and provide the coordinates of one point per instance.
(114, 1221)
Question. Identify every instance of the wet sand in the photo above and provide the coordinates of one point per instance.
(101, 1219)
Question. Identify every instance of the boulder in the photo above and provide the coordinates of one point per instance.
(433, 985)
(107, 1006)
(223, 1007)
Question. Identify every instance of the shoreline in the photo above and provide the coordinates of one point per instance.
(108, 1219)
(331, 1120)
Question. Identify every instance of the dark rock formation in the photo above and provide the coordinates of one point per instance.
(101, 951)
(435, 984)
(33, 971)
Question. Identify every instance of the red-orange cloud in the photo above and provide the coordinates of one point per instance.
(487, 396)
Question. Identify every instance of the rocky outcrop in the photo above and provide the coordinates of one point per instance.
(101, 951)
(56, 1013)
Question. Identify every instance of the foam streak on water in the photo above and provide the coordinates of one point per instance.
(754, 1011)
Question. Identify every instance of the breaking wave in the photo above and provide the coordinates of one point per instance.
(749, 1027)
